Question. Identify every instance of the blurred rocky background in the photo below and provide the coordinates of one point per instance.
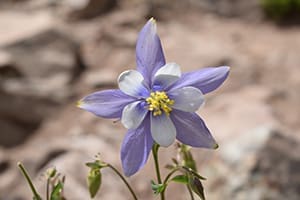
(53, 52)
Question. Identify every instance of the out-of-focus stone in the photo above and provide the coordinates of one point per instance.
(37, 74)
(12, 133)
(240, 115)
(89, 8)
(232, 8)
(54, 53)
(258, 164)
(278, 165)
(17, 26)
(7, 67)
(21, 117)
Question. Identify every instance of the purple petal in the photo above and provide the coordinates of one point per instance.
(149, 53)
(206, 80)
(107, 103)
(191, 130)
(136, 147)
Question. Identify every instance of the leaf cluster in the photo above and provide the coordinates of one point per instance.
(54, 187)
(282, 10)
(183, 171)
(94, 178)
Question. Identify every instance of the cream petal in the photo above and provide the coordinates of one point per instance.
(187, 99)
(131, 83)
(133, 114)
(167, 75)
(163, 130)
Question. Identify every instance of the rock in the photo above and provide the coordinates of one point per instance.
(37, 71)
(258, 164)
(85, 9)
(12, 133)
(68, 153)
(7, 67)
(243, 115)
(54, 52)
(15, 31)
(232, 8)
(278, 165)
(21, 117)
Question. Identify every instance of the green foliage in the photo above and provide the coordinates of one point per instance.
(180, 179)
(36, 195)
(94, 181)
(187, 157)
(54, 181)
(197, 187)
(157, 188)
(185, 165)
(56, 193)
(282, 10)
(94, 178)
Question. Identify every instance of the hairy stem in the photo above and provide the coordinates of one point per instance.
(28, 179)
(190, 192)
(47, 188)
(155, 157)
(124, 180)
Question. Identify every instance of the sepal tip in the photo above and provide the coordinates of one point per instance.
(216, 146)
(79, 103)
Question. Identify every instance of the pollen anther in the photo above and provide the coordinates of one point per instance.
(159, 102)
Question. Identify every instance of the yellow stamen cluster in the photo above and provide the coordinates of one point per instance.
(159, 102)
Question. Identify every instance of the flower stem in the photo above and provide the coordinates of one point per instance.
(47, 188)
(170, 174)
(28, 179)
(124, 180)
(155, 157)
(190, 192)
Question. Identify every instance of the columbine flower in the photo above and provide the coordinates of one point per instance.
(156, 102)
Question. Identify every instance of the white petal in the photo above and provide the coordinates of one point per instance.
(163, 130)
(187, 99)
(133, 115)
(131, 83)
(167, 75)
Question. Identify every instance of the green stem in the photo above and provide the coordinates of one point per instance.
(155, 157)
(190, 192)
(124, 180)
(25, 174)
(47, 188)
(170, 174)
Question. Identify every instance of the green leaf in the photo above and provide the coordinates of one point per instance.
(170, 167)
(187, 157)
(197, 187)
(97, 164)
(94, 181)
(157, 188)
(193, 173)
(181, 179)
(92, 165)
(175, 161)
(56, 192)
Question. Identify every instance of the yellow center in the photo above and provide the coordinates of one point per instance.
(159, 102)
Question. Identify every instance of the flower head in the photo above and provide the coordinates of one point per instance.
(156, 102)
